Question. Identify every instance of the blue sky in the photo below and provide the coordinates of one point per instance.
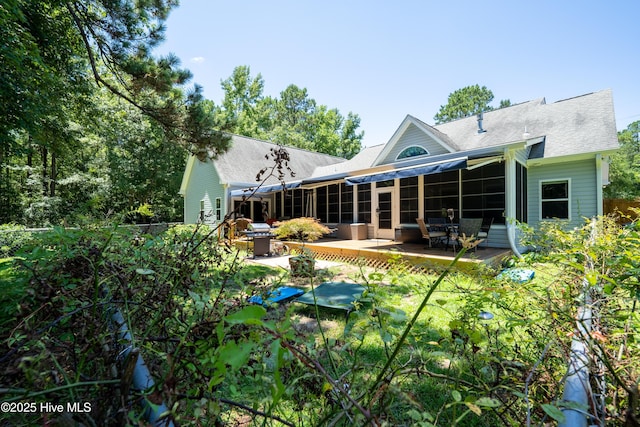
(385, 59)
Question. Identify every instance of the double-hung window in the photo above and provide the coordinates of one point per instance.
(554, 199)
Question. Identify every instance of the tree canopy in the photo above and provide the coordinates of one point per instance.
(624, 173)
(53, 53)
(89, 118)
(466, 102)
(292, 119)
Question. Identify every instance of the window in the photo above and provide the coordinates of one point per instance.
(385, 184)
(483, 192)
(364, 203)
(554, 199)
(346, 203)
(408, 200)
(218, 208)
(521, 193)
(412, 151)
(201, 215)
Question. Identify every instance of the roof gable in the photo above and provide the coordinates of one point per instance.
(414, 133)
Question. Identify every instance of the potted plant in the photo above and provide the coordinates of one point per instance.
(301, 230)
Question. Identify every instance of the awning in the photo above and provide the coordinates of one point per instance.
(424, 169)
(334, 177)
(264, 189)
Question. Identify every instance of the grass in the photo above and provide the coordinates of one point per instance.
(362, 345)
(443, 354)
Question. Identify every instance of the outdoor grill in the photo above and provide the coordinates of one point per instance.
(261, 235)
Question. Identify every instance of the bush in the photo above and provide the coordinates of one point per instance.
(301, 229)
(12, 238)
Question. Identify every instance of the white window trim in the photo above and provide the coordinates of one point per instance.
(568, 198)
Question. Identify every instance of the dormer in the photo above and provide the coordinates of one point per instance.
(413, 139)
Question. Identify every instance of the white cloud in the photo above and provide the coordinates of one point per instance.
(198, 59)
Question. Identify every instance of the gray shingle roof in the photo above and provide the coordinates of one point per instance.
(246, 157)
(584, 124)
(363, 160)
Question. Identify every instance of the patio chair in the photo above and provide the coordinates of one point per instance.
(469, 227)
(487, 222)
(429, 235)
(240, 225)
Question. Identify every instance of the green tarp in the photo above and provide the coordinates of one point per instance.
(339, 295)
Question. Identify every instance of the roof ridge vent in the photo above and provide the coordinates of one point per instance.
(480, 118)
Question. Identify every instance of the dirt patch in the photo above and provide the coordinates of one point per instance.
(306, 324)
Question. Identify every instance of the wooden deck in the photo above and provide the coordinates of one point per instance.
(377, 252)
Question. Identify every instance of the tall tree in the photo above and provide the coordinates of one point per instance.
(241, 111)
(58, 60)
(292, 119)
(53, 45)
(466, 102)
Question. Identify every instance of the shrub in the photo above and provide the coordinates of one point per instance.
(301, 229)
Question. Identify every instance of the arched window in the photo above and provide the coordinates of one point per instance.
(412, 151)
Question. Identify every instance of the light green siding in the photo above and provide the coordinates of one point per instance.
(414, 136)
(582, 189)
(204, 185)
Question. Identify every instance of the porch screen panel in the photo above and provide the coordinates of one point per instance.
(278, 209)
(483, 193)
(441, 193)
(333, 203)
(408, 200)
(346, 203)
(321, 204)
(298, 203)
(364, 203)
(288, 205)
(241, 209)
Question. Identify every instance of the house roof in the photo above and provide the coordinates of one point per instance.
(246, 157)
(363, 160)
(571, 127)
(580, 125)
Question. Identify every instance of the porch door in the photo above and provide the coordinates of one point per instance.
(384, 218)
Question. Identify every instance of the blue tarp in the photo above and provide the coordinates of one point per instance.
(281, 294)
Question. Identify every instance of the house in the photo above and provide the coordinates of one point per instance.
(207, 186)
(529, 162)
